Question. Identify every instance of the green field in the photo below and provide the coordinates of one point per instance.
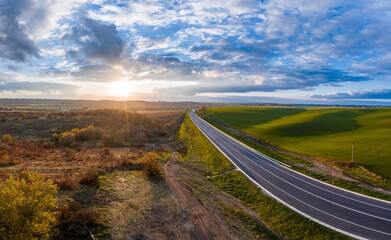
(320, 132)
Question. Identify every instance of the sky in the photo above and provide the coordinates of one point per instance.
(282, 51)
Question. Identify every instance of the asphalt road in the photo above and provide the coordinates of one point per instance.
(349, 213)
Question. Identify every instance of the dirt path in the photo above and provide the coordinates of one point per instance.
(200, 222)
(185, 204)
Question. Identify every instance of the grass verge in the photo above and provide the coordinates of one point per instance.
(323, 134)
(357, 171)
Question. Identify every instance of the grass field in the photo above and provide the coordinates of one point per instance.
(319, 132)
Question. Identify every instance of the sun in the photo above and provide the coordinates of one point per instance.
(121, 89)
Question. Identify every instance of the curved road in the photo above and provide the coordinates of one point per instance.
(352, 214)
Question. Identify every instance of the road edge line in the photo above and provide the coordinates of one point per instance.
(289, 167)
(273, 196)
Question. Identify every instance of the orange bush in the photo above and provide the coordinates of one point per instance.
(90, 178)
(65, 183)
(151, 166)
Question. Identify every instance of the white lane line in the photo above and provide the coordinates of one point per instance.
(271, 160)
(309, 183)
(308, 192)
(278, 199)
(340, 230)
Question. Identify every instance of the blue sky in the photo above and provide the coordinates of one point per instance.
(301, 51)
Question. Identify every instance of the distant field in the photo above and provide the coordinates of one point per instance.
(321, 132)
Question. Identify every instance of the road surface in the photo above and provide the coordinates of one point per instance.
(352, 214)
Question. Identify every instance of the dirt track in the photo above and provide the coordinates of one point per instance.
(183, 205)
(200, 200)
(200, 223)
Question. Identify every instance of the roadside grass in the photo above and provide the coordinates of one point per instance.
(323, 133)
(249, 221)
(284, 221)
(198, 145)
(358, 172)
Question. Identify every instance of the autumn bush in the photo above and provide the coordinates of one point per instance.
(6, 138)
(68, 138)
(88, 134)
(7, 160)
(151, 166)
(67, 183)
(90, 178)
(27, 205)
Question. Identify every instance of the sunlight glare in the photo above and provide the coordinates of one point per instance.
(121, 88)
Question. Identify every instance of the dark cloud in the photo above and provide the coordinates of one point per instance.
(15, 43)
(161, 67)
(373, 94)
(94, 39)
(288, 79)
(13, 67)
(97, 73)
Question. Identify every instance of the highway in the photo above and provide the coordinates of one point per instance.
(352, 214)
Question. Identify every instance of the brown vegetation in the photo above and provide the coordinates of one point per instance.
(151, 166)
(74, 222)
(74, 149)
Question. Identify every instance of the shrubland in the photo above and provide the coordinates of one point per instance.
(66, 154)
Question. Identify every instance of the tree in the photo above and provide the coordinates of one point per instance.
(27, 207)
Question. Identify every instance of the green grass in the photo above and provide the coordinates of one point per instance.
(319, 132)
(281, 219)
(199, 149)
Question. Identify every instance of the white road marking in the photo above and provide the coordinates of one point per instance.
(271, 160)
(323, 199)
(340, 230)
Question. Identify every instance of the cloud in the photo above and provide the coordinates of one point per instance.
(15, 43)
(92, 39)
(371, 94)
(42, 87)
(236, 46)
(13, 67)
(97, 73)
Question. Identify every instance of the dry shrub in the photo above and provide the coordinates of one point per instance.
(112, 140)
(75, 222)
(6, 138)
(344, 164)
(67, 139)
(107, 152)
(151, 166)
(88, 133)
(4, 175)
(90, 178)
(4, 157)
(7, 160)
(65, 183)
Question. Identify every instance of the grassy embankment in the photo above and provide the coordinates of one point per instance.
(322, 133)
(278, 217)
